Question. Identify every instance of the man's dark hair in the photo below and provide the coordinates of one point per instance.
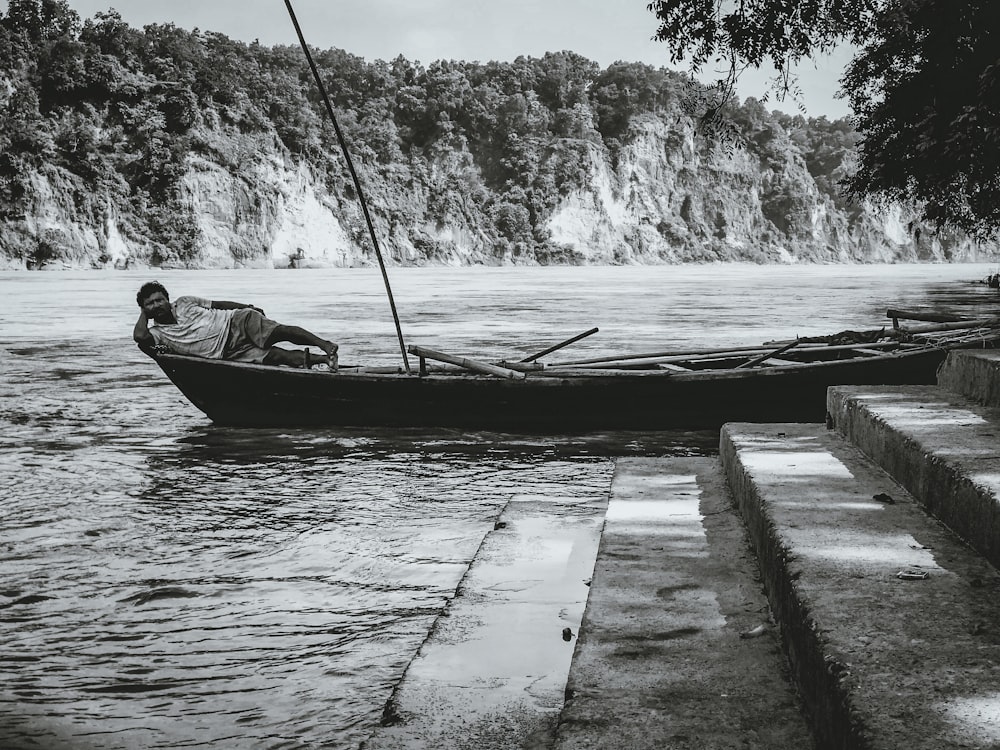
(148, 289)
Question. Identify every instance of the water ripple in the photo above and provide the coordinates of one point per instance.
(169, 584)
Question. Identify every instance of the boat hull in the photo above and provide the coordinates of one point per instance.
(239, 394)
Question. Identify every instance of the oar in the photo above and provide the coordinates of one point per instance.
(560, 345)
(757, 360)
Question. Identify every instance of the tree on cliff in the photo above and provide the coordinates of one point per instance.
(125, 126)
(924, 86)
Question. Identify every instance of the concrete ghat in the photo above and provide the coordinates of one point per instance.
(941, 446)
(492, 673)
(660, 662)
(974, 373)
(882, 662)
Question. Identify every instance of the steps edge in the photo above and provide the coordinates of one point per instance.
(834, 722)
(938, 484)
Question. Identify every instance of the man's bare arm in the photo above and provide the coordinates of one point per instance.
(142, 335)
(221, 304)
(141, 332)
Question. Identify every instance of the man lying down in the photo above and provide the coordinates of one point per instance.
(217, 329)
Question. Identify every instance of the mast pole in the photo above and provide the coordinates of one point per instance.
(354, 176)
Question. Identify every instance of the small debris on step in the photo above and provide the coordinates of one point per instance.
(755, 632)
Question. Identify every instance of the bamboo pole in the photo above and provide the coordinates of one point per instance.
(469, 364)
(684, 354)
(956, 326)
(926, 317)
(521, 366)
(954, 338)
(629, 362)
(626, 362)
(757, 360)
(354, 176)
(560, 345)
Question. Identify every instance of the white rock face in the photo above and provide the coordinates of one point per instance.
(663, 197)
(271, 215)
(667, 201)
(307, 232)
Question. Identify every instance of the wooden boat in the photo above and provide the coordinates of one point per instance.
(780, 382)
(657, 391)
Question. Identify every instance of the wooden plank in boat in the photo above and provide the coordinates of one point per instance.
(672, 367)
(926, 316)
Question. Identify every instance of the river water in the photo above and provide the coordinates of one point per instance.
(167, 583)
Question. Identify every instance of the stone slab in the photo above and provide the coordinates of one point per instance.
(492, 673)
(660, 662)
(973, 373)
(883, 662)
(942, 447)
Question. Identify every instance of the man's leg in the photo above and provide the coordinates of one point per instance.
(288, 357)
(296, 335)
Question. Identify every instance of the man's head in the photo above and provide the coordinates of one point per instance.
(148, 289)
(155, 300)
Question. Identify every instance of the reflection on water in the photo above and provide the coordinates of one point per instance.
(168, 583)
(262, 586)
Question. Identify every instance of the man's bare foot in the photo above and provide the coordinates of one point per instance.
(331, 356)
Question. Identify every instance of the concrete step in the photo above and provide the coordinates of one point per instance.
(973, 373)
(939, 445)
(891, 624)
(663, 659)
(492, 673)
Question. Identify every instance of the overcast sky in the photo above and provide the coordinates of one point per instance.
(427, 30)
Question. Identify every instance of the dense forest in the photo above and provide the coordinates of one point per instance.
(164, 146)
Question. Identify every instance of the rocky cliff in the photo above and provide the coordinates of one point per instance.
(186, 149)
(664, 197)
